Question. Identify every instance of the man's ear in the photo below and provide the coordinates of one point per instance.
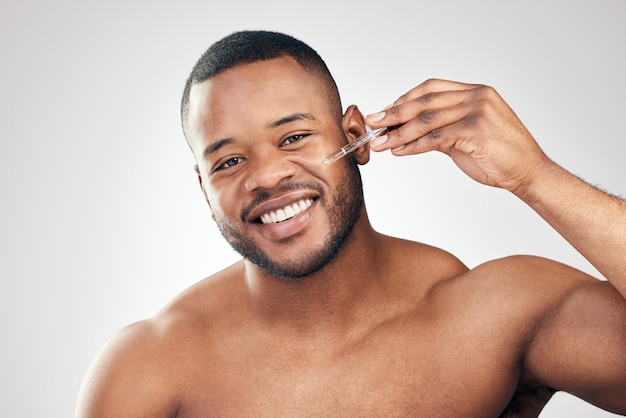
(353, 124)
(197, 170)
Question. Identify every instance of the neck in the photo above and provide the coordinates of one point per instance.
(330, 299)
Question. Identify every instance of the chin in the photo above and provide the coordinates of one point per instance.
(297, 268)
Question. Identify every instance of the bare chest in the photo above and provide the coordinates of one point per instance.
(380, 376)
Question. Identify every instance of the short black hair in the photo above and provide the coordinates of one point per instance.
(245, 47)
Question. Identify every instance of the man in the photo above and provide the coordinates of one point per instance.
(324, 316)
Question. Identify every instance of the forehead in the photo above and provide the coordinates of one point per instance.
(254, 94)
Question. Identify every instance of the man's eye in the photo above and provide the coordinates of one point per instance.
(229, 163)
(293, 139)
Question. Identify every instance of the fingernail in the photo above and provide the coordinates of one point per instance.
(379, 141)
(376, 117)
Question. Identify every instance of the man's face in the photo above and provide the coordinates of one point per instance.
(259, 132)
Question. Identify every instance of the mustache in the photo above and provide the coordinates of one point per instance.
(264, 196)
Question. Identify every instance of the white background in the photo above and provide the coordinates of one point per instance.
(101, 218)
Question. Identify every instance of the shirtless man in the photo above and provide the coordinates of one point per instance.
(324, 316)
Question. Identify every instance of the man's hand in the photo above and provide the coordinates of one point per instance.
(484, 137)
(471, 123)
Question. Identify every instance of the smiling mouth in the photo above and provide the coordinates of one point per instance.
(286, 213)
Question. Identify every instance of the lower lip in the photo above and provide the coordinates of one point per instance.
(289, 228)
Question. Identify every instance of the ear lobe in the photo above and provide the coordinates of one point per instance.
(353, 124)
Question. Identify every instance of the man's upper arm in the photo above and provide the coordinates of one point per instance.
(580, 346)
(126, 378)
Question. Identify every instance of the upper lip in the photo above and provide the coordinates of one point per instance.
(279, 202)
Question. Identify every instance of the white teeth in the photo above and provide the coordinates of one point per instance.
(287, 212)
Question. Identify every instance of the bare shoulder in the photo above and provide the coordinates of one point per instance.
(125, 378)
(577, 344)
(530, 279)
(519, 290)
(543, 285)
(507, 287)
(433, 264)
(537, 282)
(207, 297)
(137, 372)
(570, 325)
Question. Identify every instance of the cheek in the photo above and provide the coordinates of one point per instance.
(317, 149)
(219, 201)
(320, 151)
(329, 147)
(311, 161)
(228, 201)
(329, 174)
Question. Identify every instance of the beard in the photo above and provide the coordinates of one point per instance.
(343, 208)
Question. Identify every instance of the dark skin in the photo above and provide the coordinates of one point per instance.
(389, 327)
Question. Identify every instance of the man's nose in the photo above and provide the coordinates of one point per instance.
(268, 170)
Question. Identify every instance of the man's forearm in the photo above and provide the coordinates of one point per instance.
(593, 221)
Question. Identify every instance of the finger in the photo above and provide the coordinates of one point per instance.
(431, 86)
(401, 113)
(441, 139)
(423, 121)
(423, 93)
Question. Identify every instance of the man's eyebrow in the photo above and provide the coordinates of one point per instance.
(211, 148)
(215, 146)
(292, 118)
